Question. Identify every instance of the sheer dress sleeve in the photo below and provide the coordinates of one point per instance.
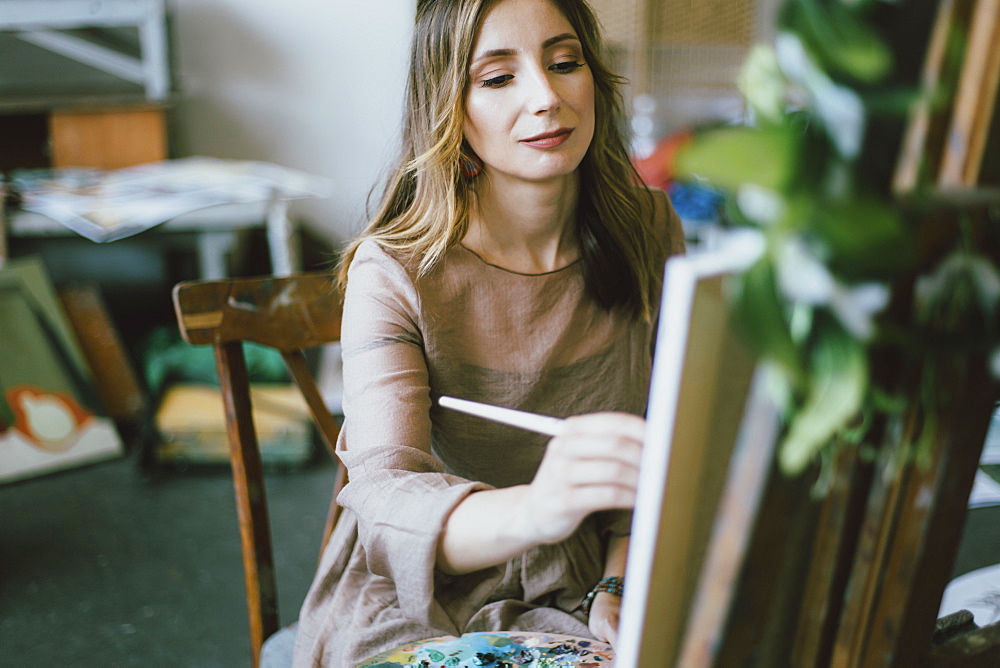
(398, 490)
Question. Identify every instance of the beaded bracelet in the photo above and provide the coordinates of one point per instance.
(610, 585)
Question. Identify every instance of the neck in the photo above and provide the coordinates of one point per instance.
(525, 227)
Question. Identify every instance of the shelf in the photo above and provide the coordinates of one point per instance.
(66, 28)
(41, 103)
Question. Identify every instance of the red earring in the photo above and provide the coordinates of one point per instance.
(470, 165)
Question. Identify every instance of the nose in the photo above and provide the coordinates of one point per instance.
(542, 96)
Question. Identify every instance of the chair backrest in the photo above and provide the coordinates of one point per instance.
(290, 314)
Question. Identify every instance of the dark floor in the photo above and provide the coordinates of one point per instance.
(108, 566)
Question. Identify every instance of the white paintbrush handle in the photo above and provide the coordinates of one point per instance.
(543, 424)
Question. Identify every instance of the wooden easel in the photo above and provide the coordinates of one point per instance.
(857, 578)
(944, 144)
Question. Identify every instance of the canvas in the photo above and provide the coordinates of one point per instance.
(50, 418)
(701, 416)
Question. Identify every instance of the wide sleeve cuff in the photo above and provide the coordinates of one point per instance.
(402, 501)
(615, 523)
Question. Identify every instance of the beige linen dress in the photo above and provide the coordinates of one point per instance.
(476, 331)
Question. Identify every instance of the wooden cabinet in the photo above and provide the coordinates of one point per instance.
(107, 138)
(83, 83)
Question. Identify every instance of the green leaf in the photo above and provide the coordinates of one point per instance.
(840, 38)
(731, 156)
(837, 380)
(899, 101)
(867, 239)
(763, 84)
(764, 322)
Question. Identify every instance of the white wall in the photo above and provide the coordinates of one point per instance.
(315, 85)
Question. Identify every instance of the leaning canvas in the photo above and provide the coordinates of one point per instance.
(699, 418)
(50, 418)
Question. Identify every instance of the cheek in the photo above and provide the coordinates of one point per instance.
(584, 106)
(477, 120)
(587, 101)
(488, 123)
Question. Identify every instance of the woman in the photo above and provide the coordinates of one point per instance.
(513, 262)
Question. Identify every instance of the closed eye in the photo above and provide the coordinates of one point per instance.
(498, 82)
(566, 67)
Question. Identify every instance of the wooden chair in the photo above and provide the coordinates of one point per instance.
(290, 314)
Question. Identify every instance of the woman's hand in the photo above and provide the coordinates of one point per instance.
(592, 465)
(605, 614)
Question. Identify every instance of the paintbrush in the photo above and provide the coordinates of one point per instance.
(543, 424)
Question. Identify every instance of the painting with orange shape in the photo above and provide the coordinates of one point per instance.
(51, 421)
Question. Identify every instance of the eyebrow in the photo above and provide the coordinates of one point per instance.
(551, 41)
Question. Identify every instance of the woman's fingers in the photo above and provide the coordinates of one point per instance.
(591, 472)
(604, 617)
(593, 465)
(586, 500)
(625, 425)
(595, 448)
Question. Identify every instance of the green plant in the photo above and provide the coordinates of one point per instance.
(815, 305)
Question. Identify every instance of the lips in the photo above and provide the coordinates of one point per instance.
(548, 139)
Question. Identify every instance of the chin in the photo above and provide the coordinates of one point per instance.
(545, 172)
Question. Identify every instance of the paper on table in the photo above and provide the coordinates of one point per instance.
(109, 205)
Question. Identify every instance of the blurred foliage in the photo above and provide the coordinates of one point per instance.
(814, 305)
(168, 359)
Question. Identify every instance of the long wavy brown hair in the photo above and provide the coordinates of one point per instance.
(426, 202)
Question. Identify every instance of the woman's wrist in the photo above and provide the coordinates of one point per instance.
(485, 529)
(612, 584)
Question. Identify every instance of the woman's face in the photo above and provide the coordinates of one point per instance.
(530, 106)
